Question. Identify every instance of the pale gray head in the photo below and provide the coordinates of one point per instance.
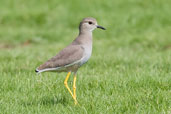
(89, 24)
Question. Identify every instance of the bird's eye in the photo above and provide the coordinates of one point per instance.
(90, 23)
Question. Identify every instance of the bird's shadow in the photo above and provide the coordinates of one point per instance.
(46, 101)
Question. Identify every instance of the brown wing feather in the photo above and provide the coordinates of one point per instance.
(67, 56)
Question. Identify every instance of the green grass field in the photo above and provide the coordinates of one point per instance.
(129, 71)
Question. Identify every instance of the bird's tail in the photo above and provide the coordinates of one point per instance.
(43, 70)
(37, 71)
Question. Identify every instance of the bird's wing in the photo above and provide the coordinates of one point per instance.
(67, 56)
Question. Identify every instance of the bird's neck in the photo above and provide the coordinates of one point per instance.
(87, 32)
(84, 38)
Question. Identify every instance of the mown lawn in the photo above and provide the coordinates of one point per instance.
(129, 71)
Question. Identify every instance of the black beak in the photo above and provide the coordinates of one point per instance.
(98, 26)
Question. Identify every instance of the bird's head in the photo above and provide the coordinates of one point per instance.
(89, 24)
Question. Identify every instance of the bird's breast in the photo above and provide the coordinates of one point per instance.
(87, 54)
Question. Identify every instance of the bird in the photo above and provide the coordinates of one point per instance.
(73, 56)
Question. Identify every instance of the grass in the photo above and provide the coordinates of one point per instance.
(129, 71)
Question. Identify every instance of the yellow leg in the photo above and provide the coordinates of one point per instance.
(74, 88)
(66, 85)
